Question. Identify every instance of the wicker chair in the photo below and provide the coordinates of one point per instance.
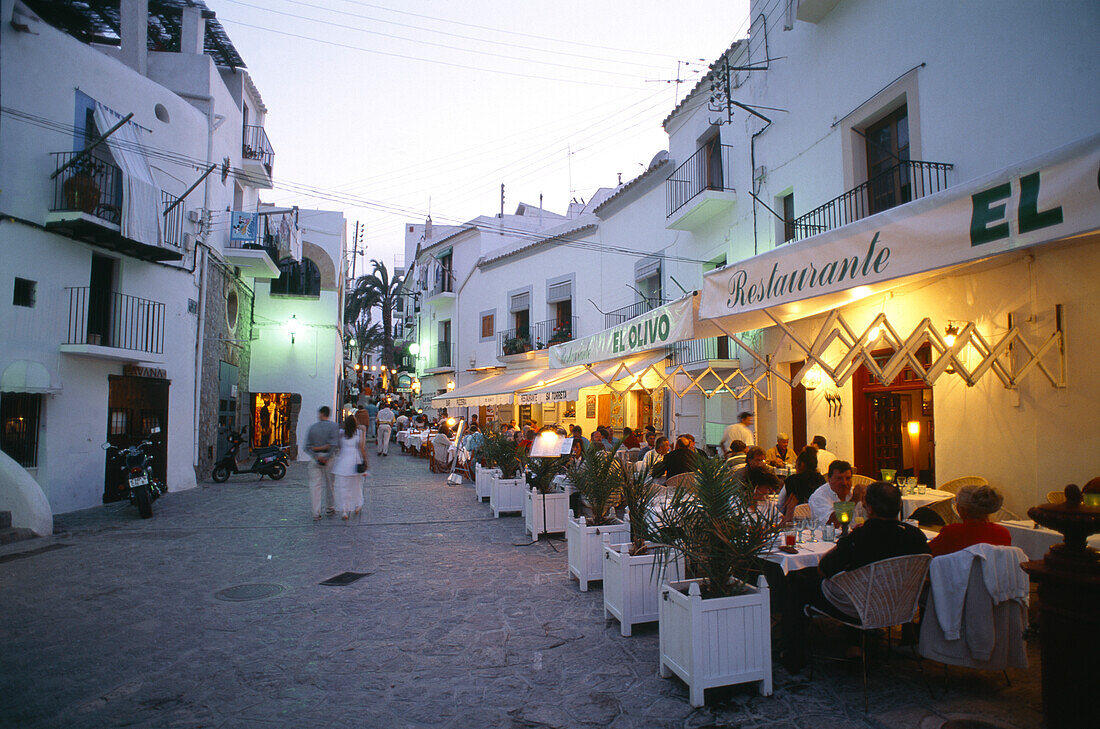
(802, 511)
(884, 594)
(858, 480)
(439, 460)
(938, 513)
(687, 480)
(1056, 497)
(957, 483)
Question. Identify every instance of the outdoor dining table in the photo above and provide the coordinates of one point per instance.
(912, 502)
(1036, 540)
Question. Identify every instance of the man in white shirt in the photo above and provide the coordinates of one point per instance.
(837, 487)
(386, 420)
(741, 430)
(824, 457)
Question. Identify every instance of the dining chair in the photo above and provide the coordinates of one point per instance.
(860, 480)
(1056, 497)
(439, 460)
(803, 511)
(686, 480)
(884, 594)
(957, 483)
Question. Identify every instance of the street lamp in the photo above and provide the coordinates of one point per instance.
(292, 327)
(414, 349)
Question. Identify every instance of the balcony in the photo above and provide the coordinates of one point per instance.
(256, 260)
(439, 359)
(87, 206)
(110, 325)
(618, 316)
(173, 220)
(698, 354)
(904, 182)
(444, 287)
(258, 157)
(700, 188)
(535, 337)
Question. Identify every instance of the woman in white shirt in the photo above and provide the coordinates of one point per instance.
(348, 487)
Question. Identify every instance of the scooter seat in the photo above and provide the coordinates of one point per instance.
(266, 451)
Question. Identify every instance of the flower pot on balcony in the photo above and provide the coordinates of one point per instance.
(483, 481)
(720, 641)
(632, 584)
(553, 508)
(506, 495)
(81, 192)
(585, 546)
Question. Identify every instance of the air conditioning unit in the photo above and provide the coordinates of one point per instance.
(194, 216)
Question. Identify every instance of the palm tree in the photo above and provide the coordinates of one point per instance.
(375, 290)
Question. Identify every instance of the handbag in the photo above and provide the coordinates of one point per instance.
(360, 468)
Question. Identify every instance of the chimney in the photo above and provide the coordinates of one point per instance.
(192, 31)
(134, 17)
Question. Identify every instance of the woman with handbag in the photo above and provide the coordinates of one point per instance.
(350, 469)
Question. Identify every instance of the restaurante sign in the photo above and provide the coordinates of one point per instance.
(657, 328)
(1029, 204)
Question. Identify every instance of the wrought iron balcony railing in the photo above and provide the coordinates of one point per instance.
(618, 316)
(701, 350)
(92, 185)
(111, 319)
(445, 284)
(904, 182)
(709, 168)
(173, 221)
(257, 147)
(539, 335)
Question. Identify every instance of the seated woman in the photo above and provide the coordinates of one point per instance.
(804, 481)
(974, 504)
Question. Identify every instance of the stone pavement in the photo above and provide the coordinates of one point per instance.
(115, 621)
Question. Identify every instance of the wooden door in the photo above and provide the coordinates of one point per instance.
(603, 410)
(798, 412)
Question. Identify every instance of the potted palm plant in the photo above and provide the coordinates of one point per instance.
(505, 490)
(546, 506)
(714, 524)
(633, 570)
(597, 478)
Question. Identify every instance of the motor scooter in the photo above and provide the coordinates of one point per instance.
(141, 487)
(270, 461)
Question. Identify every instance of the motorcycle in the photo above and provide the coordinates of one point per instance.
(271, 461)
(141, 487)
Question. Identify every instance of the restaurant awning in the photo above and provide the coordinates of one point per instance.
(564, 385)
(1045, 199)
(495, 389)
(24, 375)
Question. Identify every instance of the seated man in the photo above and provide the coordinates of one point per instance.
(656, 454)
(837, 487)
(578, 436)
(597, 440)
(737, 455)
(881, 537)
(631, 439)
(650, 442)
(680, 460)
(755, 474)
(974, 504)
(824, 457)
(781, 455)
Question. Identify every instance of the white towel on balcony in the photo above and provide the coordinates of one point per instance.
(142, 208)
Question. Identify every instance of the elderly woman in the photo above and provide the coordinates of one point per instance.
(974, 504)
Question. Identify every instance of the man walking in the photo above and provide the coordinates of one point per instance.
(372, 410)
(741, 430)
(385, 421)
(322, 440)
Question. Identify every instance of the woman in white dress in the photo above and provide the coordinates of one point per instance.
(349, 481)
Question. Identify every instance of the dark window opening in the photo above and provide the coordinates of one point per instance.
(297, 279)
(24, 293)
(788, 217)
(887, 147)
(19, 416)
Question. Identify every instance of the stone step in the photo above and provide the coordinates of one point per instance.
(5, 520)
(15, 534)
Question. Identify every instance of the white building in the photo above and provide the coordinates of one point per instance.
(128, 310)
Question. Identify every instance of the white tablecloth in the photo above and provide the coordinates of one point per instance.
(809, 554)
(402, 435)
(912, 502)
(1035, 541)
(416, 440)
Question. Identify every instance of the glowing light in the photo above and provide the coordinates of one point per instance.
(913, 426)
(414, 349)
(358, 367)
(951, 335)
(292, 327)
(451, 385)
(874, 332)
(351, 342)
(812, 379)
(540, 383)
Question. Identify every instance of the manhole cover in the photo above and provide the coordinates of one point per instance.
(258, 591)
(345, 578)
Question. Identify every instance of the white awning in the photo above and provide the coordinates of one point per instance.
(24, 375)
(564, 385)
(496, 389)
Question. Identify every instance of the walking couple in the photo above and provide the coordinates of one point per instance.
(338, 466)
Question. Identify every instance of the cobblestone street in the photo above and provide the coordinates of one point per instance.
(116, 621)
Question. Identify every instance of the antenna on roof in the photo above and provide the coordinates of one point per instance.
(502, 200)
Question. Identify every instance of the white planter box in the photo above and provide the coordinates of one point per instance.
(632, 585)
(556, 512)
(483, 481)
(506, 494)
(585, 547)
(717, 642)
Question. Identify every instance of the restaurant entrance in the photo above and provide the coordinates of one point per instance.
(137, 410)
(890, 420)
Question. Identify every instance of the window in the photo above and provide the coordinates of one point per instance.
(887, 150)
(715, 178)
(787, 202)
(231, 309)
(24, 293)
(19, 415)
(297, 279)
(487, 326)
(444, 344)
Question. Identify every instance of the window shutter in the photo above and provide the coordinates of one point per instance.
(562, 291)
(520, 302)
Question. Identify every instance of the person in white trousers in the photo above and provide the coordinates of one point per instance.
(385, 427)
